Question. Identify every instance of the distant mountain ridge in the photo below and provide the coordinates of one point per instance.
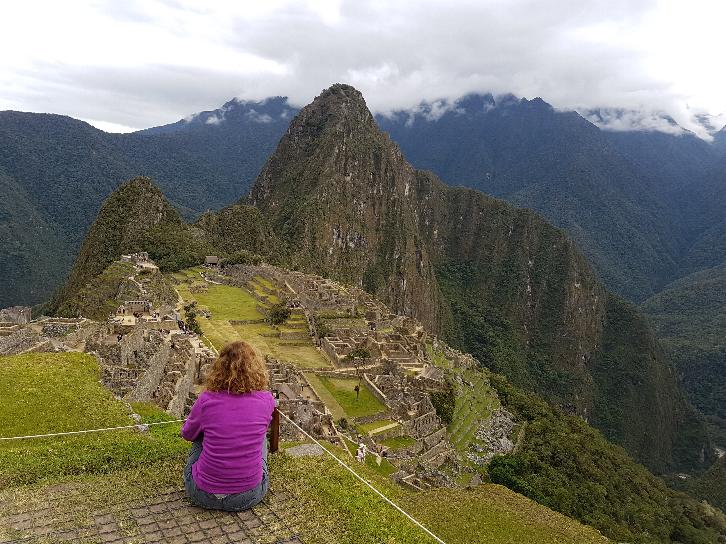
(62, 169)
(593, 183)
(627, 198)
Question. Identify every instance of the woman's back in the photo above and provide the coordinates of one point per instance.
(233, 427)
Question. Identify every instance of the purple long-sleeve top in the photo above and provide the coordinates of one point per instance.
(233, 427)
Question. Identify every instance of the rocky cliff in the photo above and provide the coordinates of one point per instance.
(493, 279)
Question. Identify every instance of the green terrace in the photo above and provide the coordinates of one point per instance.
(235, 315)
(473, 405)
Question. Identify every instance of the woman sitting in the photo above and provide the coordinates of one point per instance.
(227, 467)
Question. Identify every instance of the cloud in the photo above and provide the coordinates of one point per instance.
(259, 117)
(142, 64)
(627, 121)
(213, 120)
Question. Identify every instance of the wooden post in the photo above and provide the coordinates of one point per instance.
(275, 432)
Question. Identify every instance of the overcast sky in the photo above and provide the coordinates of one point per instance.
(130, 64)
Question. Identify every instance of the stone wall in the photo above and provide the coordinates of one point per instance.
(16, 314)
(20, 340)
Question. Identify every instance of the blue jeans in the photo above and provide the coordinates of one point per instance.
(231, 503)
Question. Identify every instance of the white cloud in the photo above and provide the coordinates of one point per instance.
(142, 64)
(626, 121)
(213, 120)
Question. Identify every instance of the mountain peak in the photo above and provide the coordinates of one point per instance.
(339, 101)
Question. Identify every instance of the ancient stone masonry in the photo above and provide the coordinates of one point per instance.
(299, 402)
(493, 437)
(141, 262)
(20, 340)
(133, 313)
(19, 315)
(148, 365)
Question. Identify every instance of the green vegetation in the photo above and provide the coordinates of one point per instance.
(342, 390)
(278, 313)
(568, 466)
(339, 508)
(437, 357)
(190, 318)
(228, 303)
(46, 393)
(386, 468)
(225, 302)
(710, 486)
(373, 426)
(689, 317)
(100, 297)
(399, 442)
(473, 405)
(444, 402)
(126, 224)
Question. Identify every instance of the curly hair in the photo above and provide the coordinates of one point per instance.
(238, 369)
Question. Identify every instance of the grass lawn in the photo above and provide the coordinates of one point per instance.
(399, 442)
(225, 302)
(325, 395)
(366, 428)
(56, 392)
(302, 356)
(342, 390)
(386, 468)
(437, 357)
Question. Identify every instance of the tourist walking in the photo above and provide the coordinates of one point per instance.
(227, 467)
(360, 454)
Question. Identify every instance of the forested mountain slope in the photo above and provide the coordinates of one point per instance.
(631, 200)
(61, 169)
(497, 281)
(690, 319)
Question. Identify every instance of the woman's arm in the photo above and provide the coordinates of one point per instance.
(192, 427)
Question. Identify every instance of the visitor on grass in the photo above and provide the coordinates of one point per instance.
(227, 467)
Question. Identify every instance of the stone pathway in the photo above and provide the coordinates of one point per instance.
(166, 517)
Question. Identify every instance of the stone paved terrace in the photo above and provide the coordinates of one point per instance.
(165, 517)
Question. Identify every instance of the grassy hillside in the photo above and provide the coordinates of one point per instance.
(58, 392)
(49, 392)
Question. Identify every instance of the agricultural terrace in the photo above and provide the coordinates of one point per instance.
(339, 396)
(228, 304)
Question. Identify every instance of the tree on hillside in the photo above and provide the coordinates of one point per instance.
(358, 358)
(278, 313)
(190, 315)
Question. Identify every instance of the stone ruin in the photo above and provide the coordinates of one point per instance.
(148, 365)
(16, 315)
(493, 437)
(141, 262)
(299, 402)
(133, 313)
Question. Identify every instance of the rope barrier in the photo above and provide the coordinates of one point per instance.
(145, 426)
(139, 426)
(366, 482)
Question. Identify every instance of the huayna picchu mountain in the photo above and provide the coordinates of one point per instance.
(495, 280)
(337, 198)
